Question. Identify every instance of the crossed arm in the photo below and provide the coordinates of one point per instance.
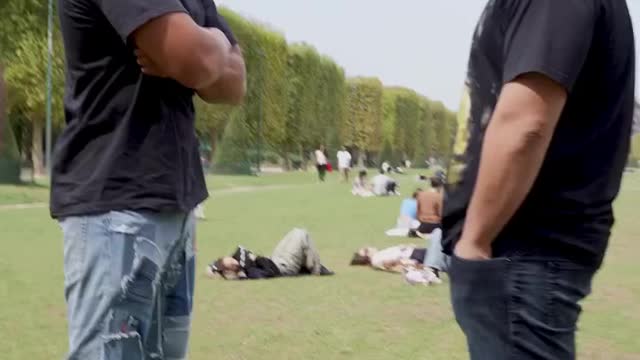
(174, 46)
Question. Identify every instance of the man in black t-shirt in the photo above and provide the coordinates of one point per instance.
(538, 163)
(126, 172)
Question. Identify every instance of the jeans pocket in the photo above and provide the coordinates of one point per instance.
(465, 269)
(568, 286)
(74, 231)
(478, 279)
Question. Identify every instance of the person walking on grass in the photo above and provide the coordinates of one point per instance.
(344, 163)
(321, 162)
(127, 173)
(528, 209)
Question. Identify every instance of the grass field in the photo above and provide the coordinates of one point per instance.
(358, 314)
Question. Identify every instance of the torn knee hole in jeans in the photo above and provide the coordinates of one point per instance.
(124, 336)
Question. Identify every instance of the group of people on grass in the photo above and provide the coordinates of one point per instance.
(381, 185)
(539, 158)
(323, 165)
(297, 255)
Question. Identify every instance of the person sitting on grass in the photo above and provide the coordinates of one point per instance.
(430, 207)
(361, 186)
(384, 185)
(294, 255)
(407, 221)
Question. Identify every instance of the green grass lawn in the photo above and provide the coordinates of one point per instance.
(358, 314)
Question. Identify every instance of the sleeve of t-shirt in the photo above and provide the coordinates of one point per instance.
(549, 37)
(213, 19)
(126, 16)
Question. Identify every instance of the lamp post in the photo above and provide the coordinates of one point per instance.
(260, 115)
(49, 85)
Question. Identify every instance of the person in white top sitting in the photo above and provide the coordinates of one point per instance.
(384, 185)
(321, 162)
(361, 186)
(344, 163)
(385, 167)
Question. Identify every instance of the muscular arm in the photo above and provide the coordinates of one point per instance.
(231, 86)
(514, 148)
(173, 45)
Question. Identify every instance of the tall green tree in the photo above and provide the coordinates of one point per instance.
(362, 127)
(26, 79)
(9, 157)
(23, 50)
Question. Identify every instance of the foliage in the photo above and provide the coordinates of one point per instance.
(233, 154)
(363, 125)
(297, 98)
(635, 151)
(9, 157)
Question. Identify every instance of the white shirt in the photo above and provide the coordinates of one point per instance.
(320, 158)
(344, 159)
(392, 254)
(380, 184)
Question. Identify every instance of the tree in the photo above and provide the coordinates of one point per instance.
(9, 158)
(408, 113)
(362, 127)
(635, 137)
(26, 76)
(233, 155)
(24, 51)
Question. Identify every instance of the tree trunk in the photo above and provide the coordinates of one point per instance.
(2, 108)
(361, 159)
(213, 143)
(37, 151)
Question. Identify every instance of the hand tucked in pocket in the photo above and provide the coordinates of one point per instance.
(470, 250)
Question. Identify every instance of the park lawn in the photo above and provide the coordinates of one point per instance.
(39, 192)
(358, 314)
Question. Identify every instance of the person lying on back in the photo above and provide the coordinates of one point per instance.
(295, 255)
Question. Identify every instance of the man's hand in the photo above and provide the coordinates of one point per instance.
(514, 149)
(147, 66)
(467, 250)
(231, 86)
(174, 46)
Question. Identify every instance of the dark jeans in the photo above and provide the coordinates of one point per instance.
(427, 228)
(519, 308)
(322, 171)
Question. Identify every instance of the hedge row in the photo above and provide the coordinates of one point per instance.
(299, 99)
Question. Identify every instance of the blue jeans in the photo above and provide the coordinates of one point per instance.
(129, 279)
(435, 258)
(519, 308)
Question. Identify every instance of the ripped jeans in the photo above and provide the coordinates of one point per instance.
(129, 281)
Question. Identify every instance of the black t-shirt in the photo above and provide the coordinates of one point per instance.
(587, 46)
(130, 142)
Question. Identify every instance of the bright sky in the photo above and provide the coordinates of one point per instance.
(421, 44)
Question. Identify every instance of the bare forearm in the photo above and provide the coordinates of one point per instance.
(511, 160)
(230, 88)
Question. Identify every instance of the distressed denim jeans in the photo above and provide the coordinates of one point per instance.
(129, 281)
(519, 308)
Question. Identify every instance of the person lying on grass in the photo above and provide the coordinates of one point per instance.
(408, 258)
(392, 259)
(295, 255)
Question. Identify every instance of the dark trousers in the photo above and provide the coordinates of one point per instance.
(322, 171)
(519, 308)
(427, 228)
